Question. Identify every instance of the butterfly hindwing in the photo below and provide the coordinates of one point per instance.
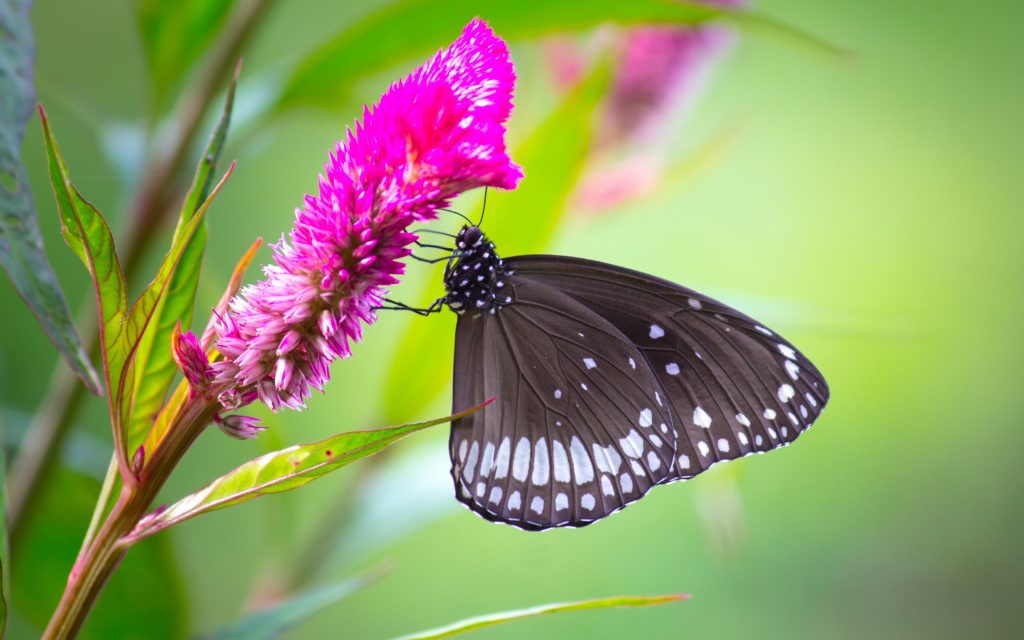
(581, 425)
(735, 387)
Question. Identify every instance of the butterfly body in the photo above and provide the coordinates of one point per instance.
(608, 382)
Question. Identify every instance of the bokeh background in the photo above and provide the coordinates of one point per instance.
(867, 206)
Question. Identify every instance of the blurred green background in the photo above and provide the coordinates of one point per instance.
(868, 208)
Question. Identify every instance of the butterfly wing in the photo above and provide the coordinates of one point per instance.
(580, 427)
(735, 386)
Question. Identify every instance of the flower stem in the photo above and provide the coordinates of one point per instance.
(100, 557)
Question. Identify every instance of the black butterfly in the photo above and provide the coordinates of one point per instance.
(608, 382)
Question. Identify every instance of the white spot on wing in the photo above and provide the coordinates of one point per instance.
(769, 414)
(763, 330)
(701, 418)
(501, 462)
(515, 501)
(787, 351)
(742, 437)
(537, 504)
(632, 445)
(742, 419)
(694, 303)
(587, 502)
(723, 445)
(561, 502)
(541, 464)
(463, 448)
(656, 331)
(672, 369)
(487, 461)
(653, 461)
(581, 465)
(646, 418)
(684, 462)
(606, 486)
(632, 363)
(560, 462)
(810, 399)
(558, 394)
(703, 448)
(792, 369)
(589, 362)
(470, 469)
(495, 496)
(607, 458)
(626, 482)
(786, 393)
(521, 460)
(481, 487)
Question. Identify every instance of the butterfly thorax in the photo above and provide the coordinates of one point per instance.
(475, 279)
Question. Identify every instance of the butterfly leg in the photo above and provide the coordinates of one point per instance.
(435, 307)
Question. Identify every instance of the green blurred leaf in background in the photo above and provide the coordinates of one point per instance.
(275, 621)
(21, 245)
(144, 600)
(174, 36)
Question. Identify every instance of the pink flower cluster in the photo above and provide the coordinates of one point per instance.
(660, 68)
(433, 135)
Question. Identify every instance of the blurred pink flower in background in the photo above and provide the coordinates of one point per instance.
(433, 135)
(658, 72)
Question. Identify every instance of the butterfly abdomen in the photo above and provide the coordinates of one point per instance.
(475, 282)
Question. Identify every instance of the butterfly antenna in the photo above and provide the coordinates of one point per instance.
(470, 222)
(483, 209)
(434, 231)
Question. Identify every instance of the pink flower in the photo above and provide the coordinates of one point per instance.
(191, 359)
(660, 70)
(238, 426)
(433, 135)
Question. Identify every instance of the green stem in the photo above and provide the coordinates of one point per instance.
(102, 502)
(100, 557)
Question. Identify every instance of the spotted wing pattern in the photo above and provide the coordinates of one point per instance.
(581, 426)
(735, 387)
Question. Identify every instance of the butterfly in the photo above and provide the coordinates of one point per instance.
(607, 382)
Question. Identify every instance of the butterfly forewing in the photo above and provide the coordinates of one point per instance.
(734, 386)
(581, 425)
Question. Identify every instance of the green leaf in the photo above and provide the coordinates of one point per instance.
(89, 236)
(523, 221)
(274, 622)
(138, 319)
(281, 471)
(414, 28)
(154, 360)
(21, 245)
(174, 36)
(582, 605)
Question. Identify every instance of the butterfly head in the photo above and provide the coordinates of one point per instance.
(475, 279)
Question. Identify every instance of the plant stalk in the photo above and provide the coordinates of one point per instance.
(101, 556)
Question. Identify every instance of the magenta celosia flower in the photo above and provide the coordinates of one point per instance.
(659, 70)
(192, 360)
(433, 135)
(238, 426)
